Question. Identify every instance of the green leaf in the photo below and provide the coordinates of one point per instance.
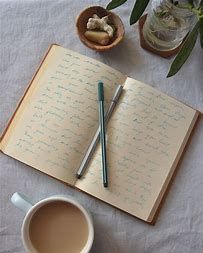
(115, 3)
(138, 9)
(201, 31)
(201, 9)
(184, 51)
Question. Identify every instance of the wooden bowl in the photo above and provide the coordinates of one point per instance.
(81, 25)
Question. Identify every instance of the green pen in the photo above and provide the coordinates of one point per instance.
(102, 132)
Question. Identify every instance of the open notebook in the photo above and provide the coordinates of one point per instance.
(58, 115)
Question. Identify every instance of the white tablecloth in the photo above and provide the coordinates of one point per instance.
(28, 27)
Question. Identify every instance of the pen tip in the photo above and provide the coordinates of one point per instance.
(105, 184)
(78, 176)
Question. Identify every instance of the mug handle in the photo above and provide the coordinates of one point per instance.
(21, 201)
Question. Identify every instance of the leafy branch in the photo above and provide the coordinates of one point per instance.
(186, 49)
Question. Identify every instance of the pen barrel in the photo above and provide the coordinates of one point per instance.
(100, 91)
(95, 140)
(103, 142)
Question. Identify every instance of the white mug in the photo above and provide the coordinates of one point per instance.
(29, 208)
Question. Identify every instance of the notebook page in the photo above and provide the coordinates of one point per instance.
(58, 116)
(144, 136)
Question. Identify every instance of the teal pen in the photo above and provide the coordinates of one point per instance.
(102, 132)
(95, 140)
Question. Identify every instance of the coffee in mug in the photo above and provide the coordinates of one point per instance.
(58, 227)
(58, 224)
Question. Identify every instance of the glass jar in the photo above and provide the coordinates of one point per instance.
(167, 24)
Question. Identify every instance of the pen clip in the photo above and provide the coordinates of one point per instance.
(117, 93)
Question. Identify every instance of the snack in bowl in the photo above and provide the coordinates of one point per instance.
(99, 29)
